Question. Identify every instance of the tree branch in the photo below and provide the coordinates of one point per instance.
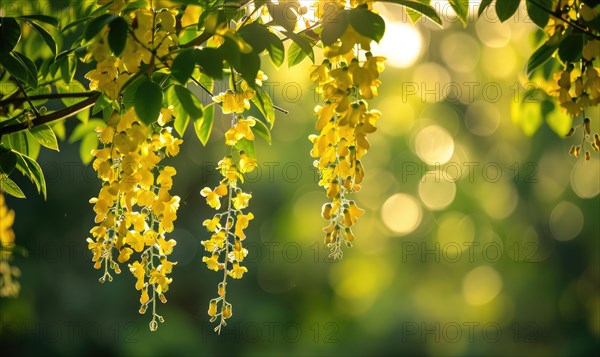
(19, 100)
(568, 21)
(57, 115)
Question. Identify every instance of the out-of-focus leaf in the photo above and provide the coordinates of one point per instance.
(117, 35)
(461, 7)
(506, 8)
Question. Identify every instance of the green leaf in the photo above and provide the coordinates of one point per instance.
(9, 186)
(299, 49)
(89, 143)
(15, 67)
(249, 66)
(30, 168)
(230, 51)
(261, 129)
(46, 36)
(571, 47)
(41, 18)
(414, 15)
(181, 117)
(484, 5)
(148, 101)
(506, 8)
(44, 135)
(247, 146)
(189, 102)
(539, 16)
(426, 10)
(17, 142)
(130, 90)
(8, 161)
(97, 24)
(117, 35)
(33, 147)
(367, 23)
(255, 35)
(295, 55)
(461, 7)
(75, 23)
(263, 102)
(10, 33)
(32, 73)
(211, 62)
(540, 56)
(334, 28)
(183, 65)
(102, 102)
(203, 125)
(276, 50)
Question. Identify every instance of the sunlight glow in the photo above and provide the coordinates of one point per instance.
(401, 45)
(401, 213)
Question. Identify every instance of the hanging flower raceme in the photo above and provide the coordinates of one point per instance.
(577, 86)
(9, 286)
(225, 250)
(345, 80)
(134, 209)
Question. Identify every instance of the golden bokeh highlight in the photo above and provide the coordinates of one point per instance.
(434, 145)
(401, 213)
(481, 285)
(436, 194)
(566, 221)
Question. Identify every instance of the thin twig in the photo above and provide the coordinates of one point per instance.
(35, 111)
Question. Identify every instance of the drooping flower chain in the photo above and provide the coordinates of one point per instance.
(224, 248)
(9, 286)
(577, 85)
(134, 209)
(345, 80)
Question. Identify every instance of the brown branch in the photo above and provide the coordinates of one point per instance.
(57, 115)
(18, 100)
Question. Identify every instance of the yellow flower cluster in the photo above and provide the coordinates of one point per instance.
(577, 86)
(9, 286)
(134, 209)
(344, 81)
(142, 45)
(224, 248)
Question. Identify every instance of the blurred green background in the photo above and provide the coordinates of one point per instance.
(478, 239)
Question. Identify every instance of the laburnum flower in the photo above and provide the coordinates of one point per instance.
(213, 196)
(237, 271)
(241, 199)
(241, 130)
(247, 164)
(242, 223)
(234, 102)
(212, 263)
(9, 286)
(7, 218)
(212, 225)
